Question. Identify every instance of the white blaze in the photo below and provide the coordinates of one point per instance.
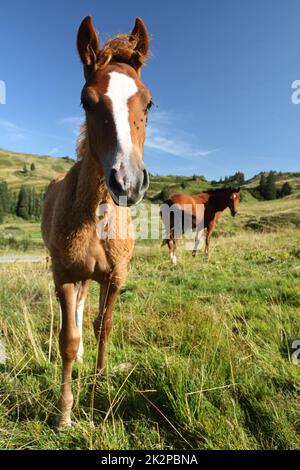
(120, 89)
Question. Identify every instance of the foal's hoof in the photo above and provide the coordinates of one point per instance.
(62, 424)
(194, 253)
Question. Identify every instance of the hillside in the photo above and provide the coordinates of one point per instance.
(165, 185)
(46, 168)
(281, 177)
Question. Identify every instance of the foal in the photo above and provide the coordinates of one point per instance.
(109, 173)
(213, 202)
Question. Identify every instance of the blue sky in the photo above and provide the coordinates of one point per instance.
(220, 74)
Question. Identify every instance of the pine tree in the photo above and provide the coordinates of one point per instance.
(286, 189)
(23, 203)
(262, 185)
(270, 186)
(4, 197)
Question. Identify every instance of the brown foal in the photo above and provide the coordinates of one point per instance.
(109, 173)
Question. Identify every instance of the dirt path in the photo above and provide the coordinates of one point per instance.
(22, 259)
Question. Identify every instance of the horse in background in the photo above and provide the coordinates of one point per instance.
(205, 210)
(109, 173)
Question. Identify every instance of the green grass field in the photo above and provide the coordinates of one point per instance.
(200, 353)
(199, 356)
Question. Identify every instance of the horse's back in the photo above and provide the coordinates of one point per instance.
(180, 199)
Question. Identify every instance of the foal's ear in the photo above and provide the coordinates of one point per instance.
(88, 44)
(140, 36)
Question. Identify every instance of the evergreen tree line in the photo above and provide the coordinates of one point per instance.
(236, 180)
(26, 203)
(268, 190)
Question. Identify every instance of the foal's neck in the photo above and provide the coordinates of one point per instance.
(90, 189)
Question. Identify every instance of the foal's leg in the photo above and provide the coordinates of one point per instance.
(81, 298)
(103, 322)
(69, 339)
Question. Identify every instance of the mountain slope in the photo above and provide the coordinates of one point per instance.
(46, 168)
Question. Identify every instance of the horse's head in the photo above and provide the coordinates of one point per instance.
(234, 200)
(116, 103)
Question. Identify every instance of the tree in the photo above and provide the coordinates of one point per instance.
(23, 203)
(270, 186)
(286, 189)
(238, 178)
(262, 185)
(183, 184)
(4, 197)
(32, 167)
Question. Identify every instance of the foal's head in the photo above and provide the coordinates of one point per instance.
(116, 103)
(234, 200)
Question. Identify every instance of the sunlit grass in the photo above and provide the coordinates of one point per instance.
(198, 358)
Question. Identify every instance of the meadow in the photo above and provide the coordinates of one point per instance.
(199, 357)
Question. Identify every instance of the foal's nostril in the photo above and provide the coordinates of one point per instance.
(145, 183)
(114, 183)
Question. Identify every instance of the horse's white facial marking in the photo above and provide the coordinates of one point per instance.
(120, 89)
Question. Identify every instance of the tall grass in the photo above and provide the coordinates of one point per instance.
(198, 358)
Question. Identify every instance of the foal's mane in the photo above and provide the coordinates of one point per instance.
(82, 146)
(121, 48)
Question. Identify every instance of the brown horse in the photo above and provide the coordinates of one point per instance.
(205, 209)
(109, 173)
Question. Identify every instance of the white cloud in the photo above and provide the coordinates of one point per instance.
(163, 135)
(72, 123)
(12, 131)
(53, 151)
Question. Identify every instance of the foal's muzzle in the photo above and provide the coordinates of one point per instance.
(128, 187)
(234, 212)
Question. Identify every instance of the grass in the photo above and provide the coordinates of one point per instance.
(198, 358)
(46, 168)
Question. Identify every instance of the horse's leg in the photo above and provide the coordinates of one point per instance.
(103, 322)
(197, 240)
(81, 298)
(170, 245)
(69, 339)
(174, 258)
(209, 232)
